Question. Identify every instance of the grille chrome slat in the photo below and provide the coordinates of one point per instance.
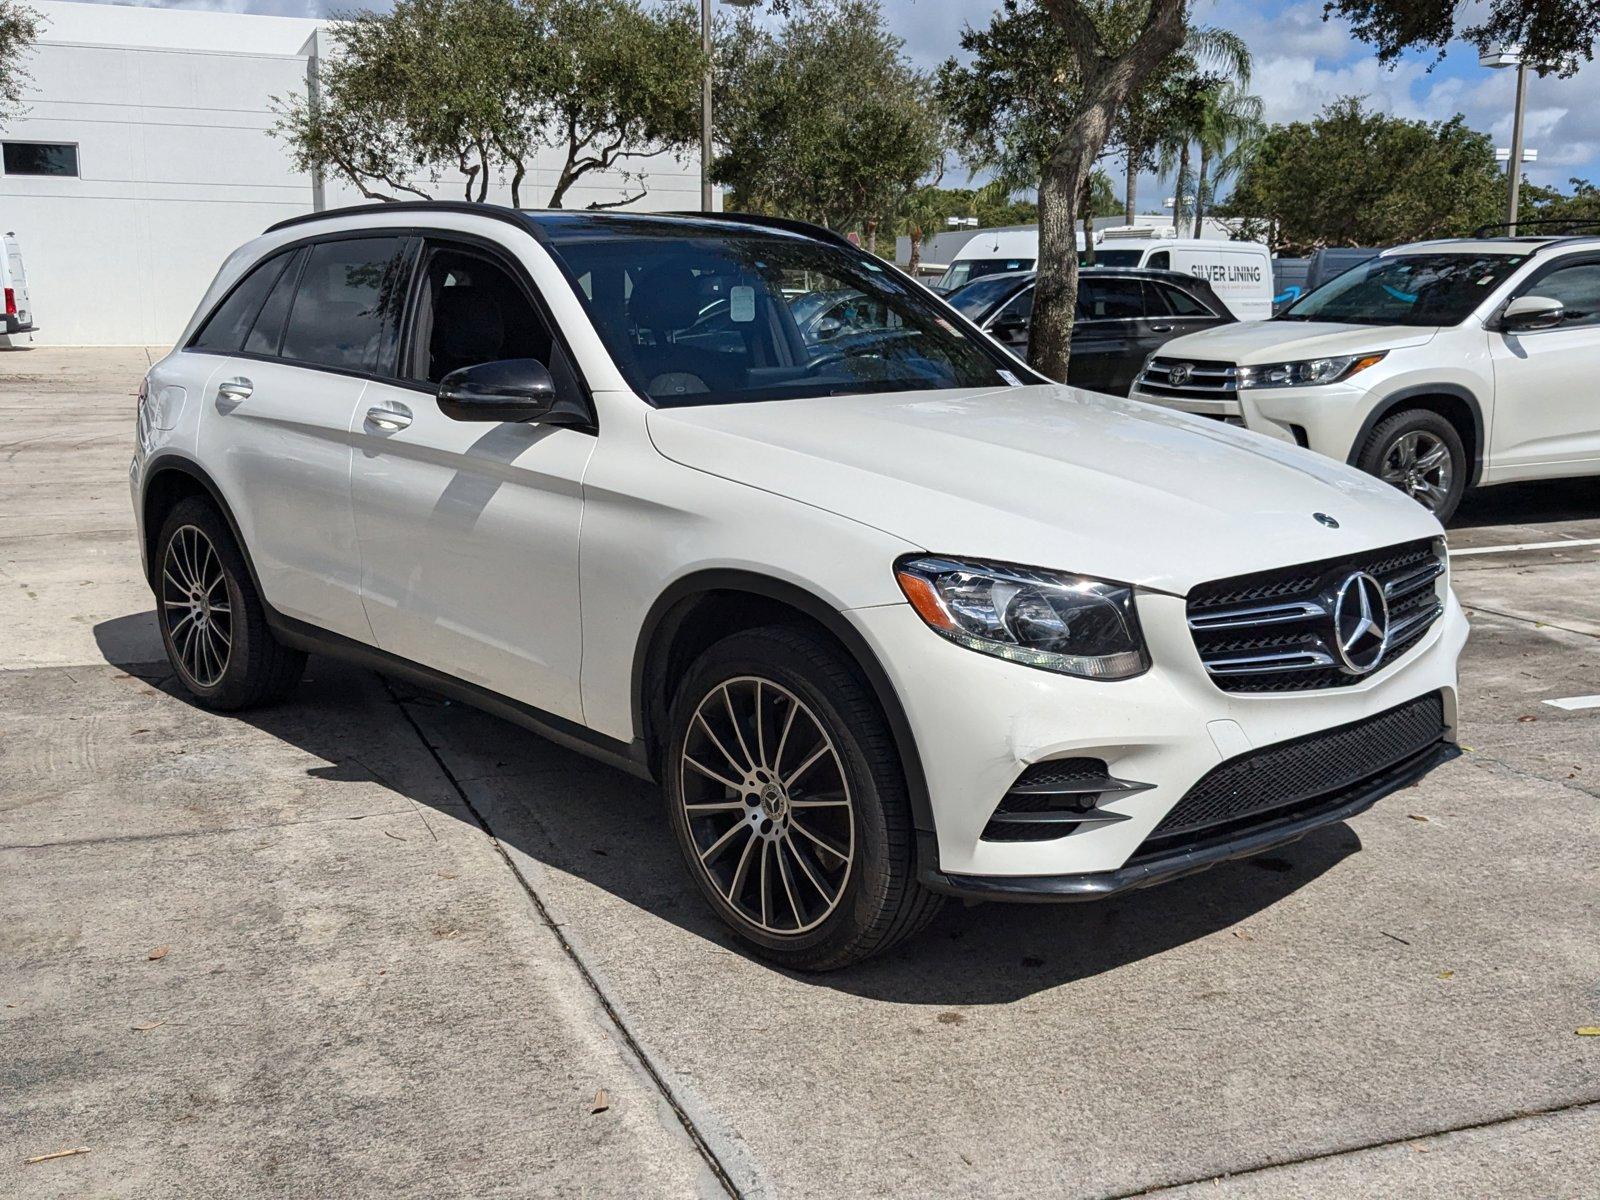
(1201, 381)
(1272, 631)
(1254, 617)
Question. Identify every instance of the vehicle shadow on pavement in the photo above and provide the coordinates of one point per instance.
(591, 824)
(1537, 503)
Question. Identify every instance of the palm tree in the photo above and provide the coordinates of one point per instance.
(1230, 120)
(1214, 58)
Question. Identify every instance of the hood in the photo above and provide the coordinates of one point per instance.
(1255, 342)
(1049, 476)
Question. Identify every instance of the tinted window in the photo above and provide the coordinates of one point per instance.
(976, 299)
(1412, 289)
(1578, 289)
(1109, 299)
(967, 269)
(39, 158)
(698, 315)
(1020, 306)
(1161, 260)
(1179, 302)
(1114, 258)
(473, 312)
(267, 330)
(347, 304)
(226, 327)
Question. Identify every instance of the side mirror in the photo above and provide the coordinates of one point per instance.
(1009, 325)
(1527, 313)
(514, 389)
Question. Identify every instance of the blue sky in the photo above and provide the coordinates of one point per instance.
(1302, 63)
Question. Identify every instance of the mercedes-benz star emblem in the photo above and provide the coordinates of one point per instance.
(1360, 623)
(1179, 374)
(1325, 519)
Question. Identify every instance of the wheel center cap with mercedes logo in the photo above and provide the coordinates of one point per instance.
(1360, 623)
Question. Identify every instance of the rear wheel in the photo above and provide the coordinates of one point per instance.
(1420, 453)
(213, 623)
(787, 799)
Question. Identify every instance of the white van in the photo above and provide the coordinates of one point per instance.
(14, 279)
(1239, 272)
(993, 252)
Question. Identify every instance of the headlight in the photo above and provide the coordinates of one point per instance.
(1306, 373)
(1047, 619)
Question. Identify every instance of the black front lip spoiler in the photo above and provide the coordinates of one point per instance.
(1159, 869)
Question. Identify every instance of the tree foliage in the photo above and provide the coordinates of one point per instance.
(1355, 177)
(822, 117)
(480, 86)
(1043, 87)
(1555, 34)
(19, 26)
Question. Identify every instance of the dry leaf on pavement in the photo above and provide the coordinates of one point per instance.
(159, 953)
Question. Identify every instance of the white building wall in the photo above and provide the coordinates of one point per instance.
(170, 110)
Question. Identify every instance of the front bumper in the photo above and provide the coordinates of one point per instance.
(1202, 855)
(1325, 418)
(979, 723)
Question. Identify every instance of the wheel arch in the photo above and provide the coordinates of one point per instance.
(169, 479)
(700, 608)
(1456, 404)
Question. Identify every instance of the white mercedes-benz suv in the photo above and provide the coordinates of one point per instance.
(887, 618)
(1436, 366)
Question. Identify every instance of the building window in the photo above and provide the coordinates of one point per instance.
(40, 158)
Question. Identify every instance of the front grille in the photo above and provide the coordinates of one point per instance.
(1195, 380)
(1273, 631)
(1317, 771)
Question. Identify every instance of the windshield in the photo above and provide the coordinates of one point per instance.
(698, 315)
(964, 270)
(976, 299)
(1412, 289)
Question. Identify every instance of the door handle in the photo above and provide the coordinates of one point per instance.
(389, 417)
(1161, 329)
(235, 390)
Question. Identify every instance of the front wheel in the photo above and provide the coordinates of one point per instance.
(1420, 453)
(786, 796)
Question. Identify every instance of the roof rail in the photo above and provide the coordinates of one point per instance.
(1565, 224)
(497, 212)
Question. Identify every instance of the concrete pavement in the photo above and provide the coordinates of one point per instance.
(407, 943)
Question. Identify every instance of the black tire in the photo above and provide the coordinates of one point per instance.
(1383, 456)
(806, 678)
(224, 655)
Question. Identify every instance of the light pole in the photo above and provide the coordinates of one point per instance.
(705, 97)
(1511, 56)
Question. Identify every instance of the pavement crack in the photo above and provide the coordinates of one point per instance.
(1530, 1114)
(1536, 622)
(635, 1048)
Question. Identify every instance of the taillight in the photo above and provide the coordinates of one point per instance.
(11, 302)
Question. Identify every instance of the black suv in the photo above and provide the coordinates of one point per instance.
(1124, 315)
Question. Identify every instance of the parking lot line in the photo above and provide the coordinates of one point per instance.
(1573, 542)
(1573, 703)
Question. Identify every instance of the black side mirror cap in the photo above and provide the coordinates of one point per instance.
(513, 389)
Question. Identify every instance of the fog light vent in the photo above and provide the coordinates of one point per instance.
(1055, 798)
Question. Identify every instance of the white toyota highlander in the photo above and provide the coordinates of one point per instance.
(1436, 366)
(887, 618)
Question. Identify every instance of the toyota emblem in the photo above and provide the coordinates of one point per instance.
(1179, 374)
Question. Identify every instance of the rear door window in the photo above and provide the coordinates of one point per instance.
(1178, 301)
(267, 331)
(348, 302)
(1109, 299)
(225, 329)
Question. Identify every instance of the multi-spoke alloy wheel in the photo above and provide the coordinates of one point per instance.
(196, 608)
(1418, 463)
(767, 804)
(212, 620)
(1421, 453)
(786, 793)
